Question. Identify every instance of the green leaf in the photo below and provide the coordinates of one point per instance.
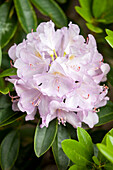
(84, 14)
(101, 156)
(61, 159)
(109, 142)
(85, 10)
(15, 117)
(9, 150)
(8, 72)
(51, 9)
(0, 56)
(6, 113)
(4, 90)
(99, 6)
(105, 151)
(94, 28)
(8, 24)
(110, 76)
(75, 167)
(96, 161)
(62, 1)
(76, 152)
(26, 15)
(44, 138)
(109, 38)
(105, 114)
(108, 166)
(85, 139)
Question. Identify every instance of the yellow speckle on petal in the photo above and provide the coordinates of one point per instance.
(38, 54)
(71, 57)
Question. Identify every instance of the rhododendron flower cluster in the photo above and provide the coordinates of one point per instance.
(59, 74)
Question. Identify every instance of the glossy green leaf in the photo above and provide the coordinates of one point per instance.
(84, 14)
(51, 9)
(109, 142)
(26, 15)
(109, 38)
(105, 114)
(0, 56)
(85, 10)
(98, 7)
(8, 24)
(4, 90)
(100, 155)
(85, 139)
(96, 161)
(106, 152)
(76, 152)
(94, 28)
(17, 116)
(6, 113)
(75, 167)
(9, 150)
(44, 138)
(61, 159)
(8, 72)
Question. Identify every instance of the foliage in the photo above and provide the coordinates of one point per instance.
(24, 145)
(83, 155)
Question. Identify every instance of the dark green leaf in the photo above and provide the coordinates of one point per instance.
(8, 72)
(76, 152)
(62, 1)
(105, 114)
(99, 6)
(26, 15)
(6, 113)
(7, 25)
(106, 152)
(9, 150)
(85, 139)
(0, 56)
(51, 9)
(44, 138)
(15, 117)
(109, 38)
(110, 76)
(94, 28)
(61, 159)
(108, 166)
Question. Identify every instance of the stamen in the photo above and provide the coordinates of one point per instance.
(36, 101)
(105, 87)
(55, 53)
(31, 30)
(11, 64)
(87, 40)
(78, 69)
(13, 97)
(52, 57)
(96, 110)
(64, 54)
